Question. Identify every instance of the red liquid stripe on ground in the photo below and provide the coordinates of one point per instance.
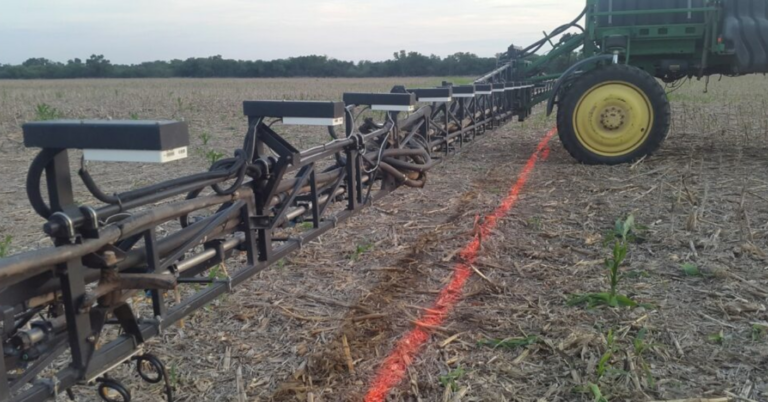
(395, 365)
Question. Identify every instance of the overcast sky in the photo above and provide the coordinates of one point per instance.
(132, 31)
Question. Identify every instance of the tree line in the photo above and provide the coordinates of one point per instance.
(402, 64)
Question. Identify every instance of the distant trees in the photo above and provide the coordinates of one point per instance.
(403, 64)
(98, 66)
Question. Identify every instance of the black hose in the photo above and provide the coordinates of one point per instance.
(340, 159)
(416, 167)
(240, 163)
(224, 169)
(400, 177)
(35, 173)
(94, 189)
(536, 46)
(116, 199)
(218, 219)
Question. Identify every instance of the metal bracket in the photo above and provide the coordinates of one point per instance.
(69, 225)
(92, 379)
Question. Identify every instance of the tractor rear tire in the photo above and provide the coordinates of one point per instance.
(613, 115)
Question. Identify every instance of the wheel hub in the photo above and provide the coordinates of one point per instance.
(613, 118)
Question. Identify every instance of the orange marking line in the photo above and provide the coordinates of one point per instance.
(393, 370)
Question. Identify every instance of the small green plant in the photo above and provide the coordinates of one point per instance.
(597, 393)
(641, 346)
(639, 342)
(306, 225)
(759, 331)
(648, 375)
(450, 379)
(46, 112)
(205, 137)
(509, 343)
(718, 338)
(213, 156)
(361, 249)
(619, 252)
(216, 273)
(134, 116)
(5, 246)
(627, 231)
(281, 263)
(534, 223)
(690, 269)
(605, 360)
(173, 376)
(635, 274)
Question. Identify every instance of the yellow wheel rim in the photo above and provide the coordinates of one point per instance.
(613, 118)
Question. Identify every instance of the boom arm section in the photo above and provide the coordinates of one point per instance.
(73, 296)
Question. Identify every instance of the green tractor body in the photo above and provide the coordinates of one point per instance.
(671, 39)
(610, 110)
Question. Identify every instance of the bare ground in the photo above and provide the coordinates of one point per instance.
(703, 200)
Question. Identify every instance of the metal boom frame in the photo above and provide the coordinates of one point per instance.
(103, 256)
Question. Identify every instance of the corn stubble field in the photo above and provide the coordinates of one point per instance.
(690, 295)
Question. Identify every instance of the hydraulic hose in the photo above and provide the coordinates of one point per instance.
(535, 47)
(236, 167)
(116, 199)
(240, 163)
(340, 160)
(35, 173)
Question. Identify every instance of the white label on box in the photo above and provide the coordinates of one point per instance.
(119, 155)
(313, 121)
(393, 108)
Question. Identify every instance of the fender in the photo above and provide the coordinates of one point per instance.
(569, 72)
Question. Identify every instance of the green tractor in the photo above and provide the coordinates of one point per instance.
(612, 108)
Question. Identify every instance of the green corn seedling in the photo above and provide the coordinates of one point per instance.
(509, 343)
(5, 245)
(622, 237)
(450, 379)
(45, 112)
